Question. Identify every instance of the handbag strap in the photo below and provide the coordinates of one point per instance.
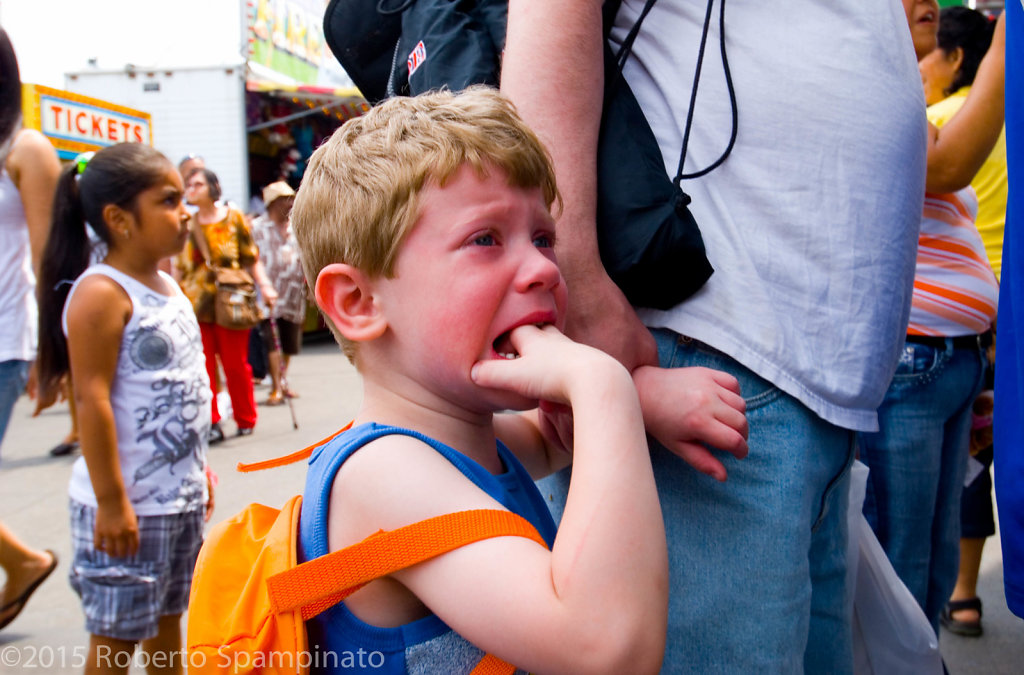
(199, 237)
(323, 582)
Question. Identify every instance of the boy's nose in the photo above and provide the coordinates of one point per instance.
(537, 270)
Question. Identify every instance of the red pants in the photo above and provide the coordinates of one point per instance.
(233, 348)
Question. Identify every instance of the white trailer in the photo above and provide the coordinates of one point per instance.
(195, 110)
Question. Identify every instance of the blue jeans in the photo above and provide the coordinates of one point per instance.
(13, 376)
(917, 461)
(757, 564)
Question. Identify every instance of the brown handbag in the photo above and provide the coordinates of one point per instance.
(234, 304)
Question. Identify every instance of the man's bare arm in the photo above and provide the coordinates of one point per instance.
(553, 70)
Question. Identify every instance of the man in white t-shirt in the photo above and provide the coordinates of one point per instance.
(811, 226)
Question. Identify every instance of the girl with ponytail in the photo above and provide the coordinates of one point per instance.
(127, 335)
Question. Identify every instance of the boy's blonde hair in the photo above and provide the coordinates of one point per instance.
(358, 198)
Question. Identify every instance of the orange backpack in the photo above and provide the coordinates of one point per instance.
(250, 597)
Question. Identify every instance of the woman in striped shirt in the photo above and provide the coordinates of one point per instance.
(919, 455)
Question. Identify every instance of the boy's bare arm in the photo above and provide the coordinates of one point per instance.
(598, 601)
(535, 443)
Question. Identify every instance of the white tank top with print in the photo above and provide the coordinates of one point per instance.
(161, 401)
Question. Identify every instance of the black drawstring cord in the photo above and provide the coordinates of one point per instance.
(682, 199)
(680, 176)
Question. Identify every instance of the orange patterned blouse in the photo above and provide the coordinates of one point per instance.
(231, 245)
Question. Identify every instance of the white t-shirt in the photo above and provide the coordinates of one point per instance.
(161, 401)
(18, 313)
(811, 224)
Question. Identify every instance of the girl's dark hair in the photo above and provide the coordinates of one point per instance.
(211, 181)
(115, 175)
(10, 89)
(967, 29)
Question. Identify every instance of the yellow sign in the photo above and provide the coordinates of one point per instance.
(75, 123)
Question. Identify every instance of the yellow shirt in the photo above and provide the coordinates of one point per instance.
(989, 184)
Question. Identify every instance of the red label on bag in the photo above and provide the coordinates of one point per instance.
(416, 58)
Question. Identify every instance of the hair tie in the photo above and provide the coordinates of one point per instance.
(82, 160)
(63, 282)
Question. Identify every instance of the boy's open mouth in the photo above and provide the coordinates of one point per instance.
(502, 345)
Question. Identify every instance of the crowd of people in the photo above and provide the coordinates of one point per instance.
(137, 353)
(450, 241)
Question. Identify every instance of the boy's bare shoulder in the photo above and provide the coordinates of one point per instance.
(394, 481)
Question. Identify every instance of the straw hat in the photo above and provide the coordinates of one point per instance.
(277, 190)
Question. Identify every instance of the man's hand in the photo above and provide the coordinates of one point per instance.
(686, 408)
(269, 294)
(600, 316)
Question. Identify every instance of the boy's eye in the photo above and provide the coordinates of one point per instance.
(485, 240)
(544, 241)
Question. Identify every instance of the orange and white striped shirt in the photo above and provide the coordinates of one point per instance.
(955, 291)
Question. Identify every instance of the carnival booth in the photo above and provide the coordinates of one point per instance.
(75, 123)
(296, 93)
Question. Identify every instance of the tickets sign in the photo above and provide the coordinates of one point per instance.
(75, 123)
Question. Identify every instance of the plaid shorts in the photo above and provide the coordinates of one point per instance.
(124, 598)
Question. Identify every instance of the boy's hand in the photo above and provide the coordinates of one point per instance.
(686, 408)
(548, 366)
(556, 424)
(117, 529)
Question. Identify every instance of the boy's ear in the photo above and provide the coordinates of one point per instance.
(345, 294)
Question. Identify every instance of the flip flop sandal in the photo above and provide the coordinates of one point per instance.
(964, 628)
(63, 449)
(275, 399)
(19, 602)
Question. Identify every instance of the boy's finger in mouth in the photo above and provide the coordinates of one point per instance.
(507, 345)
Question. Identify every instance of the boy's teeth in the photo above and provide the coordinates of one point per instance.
(503, 346)
(508, 356)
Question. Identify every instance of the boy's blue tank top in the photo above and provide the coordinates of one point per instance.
(340, 642)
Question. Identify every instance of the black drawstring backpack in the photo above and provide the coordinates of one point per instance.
(650, 244)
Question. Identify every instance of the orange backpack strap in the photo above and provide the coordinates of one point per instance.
(296, 456)
(325, 581)
(492, 665)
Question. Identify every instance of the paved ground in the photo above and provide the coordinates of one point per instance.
(49, 637)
